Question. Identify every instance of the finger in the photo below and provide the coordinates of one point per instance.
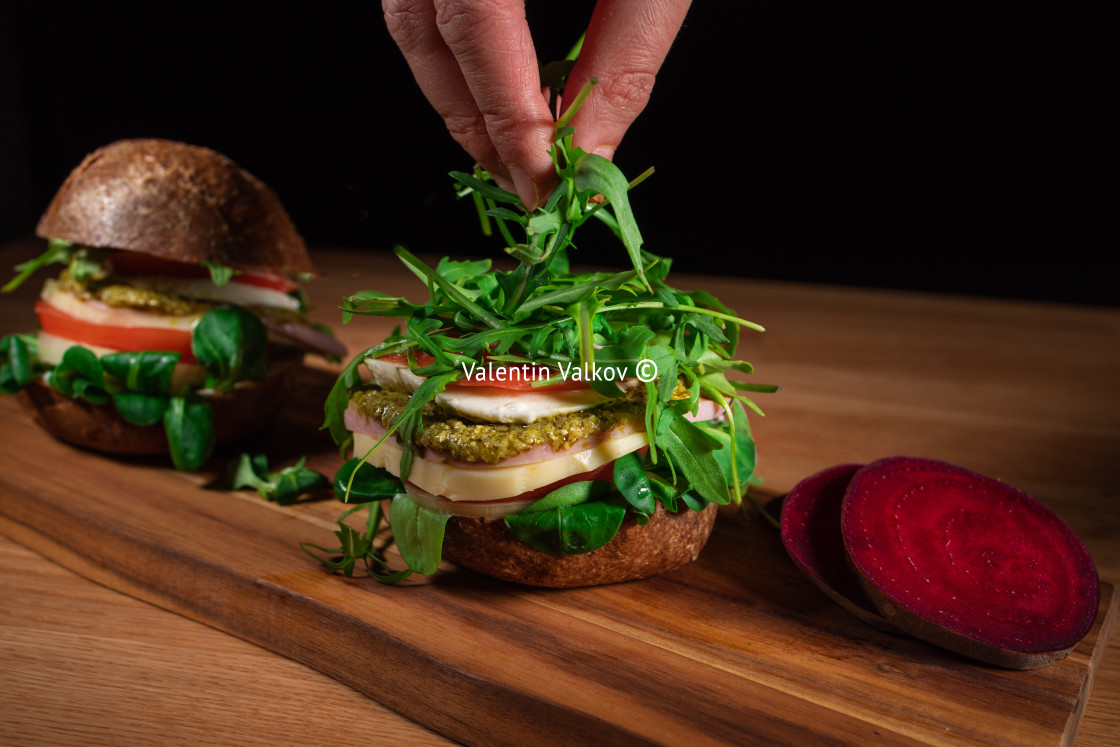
(491, 42)
(412, 25)
(626, 43)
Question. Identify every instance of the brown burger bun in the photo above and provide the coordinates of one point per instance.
(175, 201)
(246, 408)
(667, 542)
(183, 203)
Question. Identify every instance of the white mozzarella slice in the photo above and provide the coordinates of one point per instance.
(393, 375)
(508, 406)
(459, 483)
(53, 347)
(100, 313)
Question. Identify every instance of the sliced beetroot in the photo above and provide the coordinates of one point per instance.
(968, 563)
(810, 528)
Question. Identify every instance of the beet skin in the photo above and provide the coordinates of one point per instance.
(810, 528)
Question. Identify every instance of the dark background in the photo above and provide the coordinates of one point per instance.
(962, 147)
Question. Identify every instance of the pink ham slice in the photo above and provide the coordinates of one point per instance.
(357, 422)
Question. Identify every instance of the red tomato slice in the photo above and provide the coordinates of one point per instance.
(498, 375)
(519, 378)
(401, 359)
(59, 323)
(274, 281)
(137, 264)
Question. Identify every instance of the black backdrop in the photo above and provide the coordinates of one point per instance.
(950, 146)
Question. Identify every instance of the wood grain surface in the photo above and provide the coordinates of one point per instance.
(737, 648)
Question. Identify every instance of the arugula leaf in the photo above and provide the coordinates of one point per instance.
(409, 421)
(484, 188)
(334, 407)
(691, 451)
(82, 263)
(740, 446)
(518, 284)
(355, 545)
(575, 292)
(284, 487)
(427, 273)
(594, 175)
(57, 251)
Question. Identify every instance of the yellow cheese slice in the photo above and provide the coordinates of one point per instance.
(459, 483)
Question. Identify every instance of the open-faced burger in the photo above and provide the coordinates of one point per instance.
(540, 425)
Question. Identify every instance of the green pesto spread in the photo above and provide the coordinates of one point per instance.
(466, 441)
(134, 294)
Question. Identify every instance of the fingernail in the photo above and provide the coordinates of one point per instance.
(605, 151)
(526, 189)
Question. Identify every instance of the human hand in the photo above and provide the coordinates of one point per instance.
(475, 63)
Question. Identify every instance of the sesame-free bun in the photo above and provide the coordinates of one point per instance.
(176, 201)
(243, 410)
(667, 542)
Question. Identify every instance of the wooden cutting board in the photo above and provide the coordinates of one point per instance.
(736, 648)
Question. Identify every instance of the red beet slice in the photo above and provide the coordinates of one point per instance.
(810, 528)
(968, 563)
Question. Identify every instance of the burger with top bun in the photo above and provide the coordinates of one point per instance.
(178, 320)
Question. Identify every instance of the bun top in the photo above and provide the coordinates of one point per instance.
(176, 201)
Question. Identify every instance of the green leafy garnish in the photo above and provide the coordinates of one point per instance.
(189, 424)
(420, 538)
(82, 263)
(569, 520)
(634, 484)
(360, 482)
(418, 533)
(79, 376)
(228, 342)
(599, 327)
(284, 487)
(219, 274)
(356, 545)
(421, 534)
(19, 364)
(232, 345)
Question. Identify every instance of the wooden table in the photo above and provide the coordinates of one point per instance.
(1024, 392)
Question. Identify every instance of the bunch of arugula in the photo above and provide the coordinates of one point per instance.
(542, 313)
(228, 342)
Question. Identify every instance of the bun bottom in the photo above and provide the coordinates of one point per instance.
(237, 413)
(668, 541)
